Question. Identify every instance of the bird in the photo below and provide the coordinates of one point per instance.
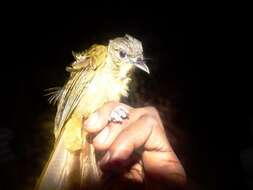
(97, 75)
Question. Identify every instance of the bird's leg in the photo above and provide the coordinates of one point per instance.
(118, 114)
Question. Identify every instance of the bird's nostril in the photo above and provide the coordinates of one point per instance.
(139, 60)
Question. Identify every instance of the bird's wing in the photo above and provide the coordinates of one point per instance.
(77, 84)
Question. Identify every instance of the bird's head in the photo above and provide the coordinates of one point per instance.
(126, 53)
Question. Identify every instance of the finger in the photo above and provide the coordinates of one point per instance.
(103, 140)
(108, 134)
(136, 173)
(139, 112)
(135, 136)
(159, 160)
(99, 119)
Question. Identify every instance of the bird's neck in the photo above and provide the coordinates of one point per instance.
(120, 75)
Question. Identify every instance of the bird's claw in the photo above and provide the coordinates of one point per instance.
(118, 114)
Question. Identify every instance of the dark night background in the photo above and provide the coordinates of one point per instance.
(37, 47)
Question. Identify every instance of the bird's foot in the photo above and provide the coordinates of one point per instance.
(118, 114)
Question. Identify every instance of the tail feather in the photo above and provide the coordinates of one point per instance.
(90, 174)
(53, 174)
(70, 170)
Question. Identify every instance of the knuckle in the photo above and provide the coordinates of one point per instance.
(122, 150)
(150, 119)
(152, 110)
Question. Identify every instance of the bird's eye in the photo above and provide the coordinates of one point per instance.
(122, 54)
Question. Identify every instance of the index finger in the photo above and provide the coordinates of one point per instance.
(99, 119)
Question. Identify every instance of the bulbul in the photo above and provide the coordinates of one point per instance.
(98, 75)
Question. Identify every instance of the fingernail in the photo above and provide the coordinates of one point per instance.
(114, 156)
(105, 159)
(102, 136)
(91, 120)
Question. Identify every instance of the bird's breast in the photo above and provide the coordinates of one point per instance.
(104, 87)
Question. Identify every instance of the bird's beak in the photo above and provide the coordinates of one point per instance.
(140, 63)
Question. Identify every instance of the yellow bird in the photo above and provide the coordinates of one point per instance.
(100, 74)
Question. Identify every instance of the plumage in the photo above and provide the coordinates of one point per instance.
(99, 74)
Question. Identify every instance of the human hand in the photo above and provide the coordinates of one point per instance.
(137, 147)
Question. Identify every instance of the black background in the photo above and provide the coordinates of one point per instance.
(37, 46)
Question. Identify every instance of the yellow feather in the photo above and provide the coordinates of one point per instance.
(97, 75)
